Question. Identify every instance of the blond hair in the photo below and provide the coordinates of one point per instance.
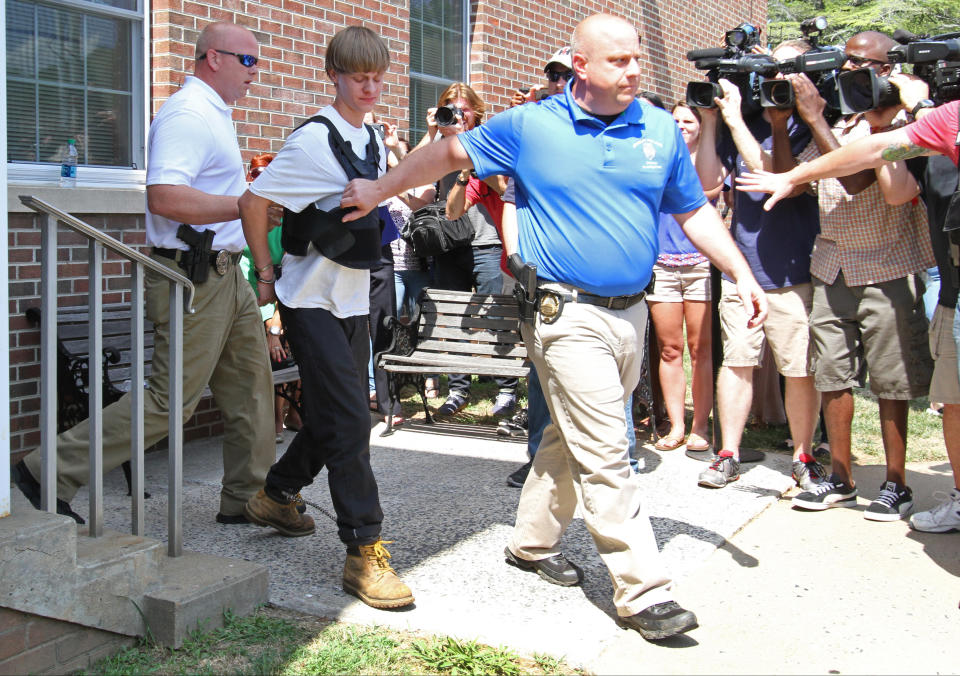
(461, 90)
(356, 49)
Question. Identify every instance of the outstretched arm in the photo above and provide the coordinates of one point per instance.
(420, 168)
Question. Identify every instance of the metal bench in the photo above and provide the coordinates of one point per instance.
(453, 332)
(72, 363)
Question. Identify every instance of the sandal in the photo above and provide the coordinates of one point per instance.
(697, 443)
(668, 443)
(431, 390)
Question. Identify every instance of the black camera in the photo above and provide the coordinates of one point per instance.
(862, 90)
(936, 60)
(819, 64)
(743, 37)
(730, 63)
(448, 115)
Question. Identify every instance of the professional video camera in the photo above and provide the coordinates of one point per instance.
(820, 64)
(935, 59)
(733, 63)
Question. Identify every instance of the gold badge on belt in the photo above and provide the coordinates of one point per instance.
(222, 262)
(549, 306)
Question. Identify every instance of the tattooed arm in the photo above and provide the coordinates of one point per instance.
(867, 153)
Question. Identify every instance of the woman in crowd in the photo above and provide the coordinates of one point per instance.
(682, 295)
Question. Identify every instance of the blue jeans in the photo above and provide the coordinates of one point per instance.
(409, 284)
(932, 292)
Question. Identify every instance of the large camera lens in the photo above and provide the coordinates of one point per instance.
(862, 90)
(702, 94)
(447, 115)
(776, 94)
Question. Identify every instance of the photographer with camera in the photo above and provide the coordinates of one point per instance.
(867, 314)
(777, 246)
(558, 72)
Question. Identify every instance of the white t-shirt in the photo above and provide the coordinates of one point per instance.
(304, 172)
(193, 142)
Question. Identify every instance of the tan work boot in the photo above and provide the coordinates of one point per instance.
(263, 510)
(370, 578)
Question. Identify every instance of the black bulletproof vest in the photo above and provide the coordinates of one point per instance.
(355, 244)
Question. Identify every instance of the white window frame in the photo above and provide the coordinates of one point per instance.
(45, 174)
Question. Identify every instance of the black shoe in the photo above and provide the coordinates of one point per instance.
(556, 569)
(30, 488)
(661, 620)
(231, 519)
(517, 479)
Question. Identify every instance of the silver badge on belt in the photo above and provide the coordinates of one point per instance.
(222, 262)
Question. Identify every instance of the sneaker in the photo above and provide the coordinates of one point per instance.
(507, 428)
(504, 404)
(807, 472)
(721, 471)
(943, 518)
(517, 479)
(263, 510)
(368, 576)
(659, 621)
(822, 453)
(30, 488)
(830, 493)
(894, 502)
(455, 403)
(555, 569)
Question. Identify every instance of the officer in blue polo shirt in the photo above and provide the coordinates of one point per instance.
(593, 170)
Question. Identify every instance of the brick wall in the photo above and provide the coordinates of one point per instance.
(30, 644)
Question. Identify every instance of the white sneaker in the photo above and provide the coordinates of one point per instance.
(943, 518)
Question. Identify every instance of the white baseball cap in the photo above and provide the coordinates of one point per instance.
(561, 57)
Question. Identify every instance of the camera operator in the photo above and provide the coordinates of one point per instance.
(777, 246)
(558, 70)
(867, 314)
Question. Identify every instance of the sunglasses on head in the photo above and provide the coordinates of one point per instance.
(246, 59)
(861, 61)
(557, 75)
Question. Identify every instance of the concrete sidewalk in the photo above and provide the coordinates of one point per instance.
(784, 586)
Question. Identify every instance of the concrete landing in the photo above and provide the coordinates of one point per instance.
(450, 513)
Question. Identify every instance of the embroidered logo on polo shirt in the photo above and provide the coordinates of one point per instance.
(649, 149)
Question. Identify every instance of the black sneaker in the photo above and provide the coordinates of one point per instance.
(894, 502)
(517, 479)
(831, 493)
(660, 621)
(725, 469)
(807, 472)
(30, 488)
(455, 403)
(555, 569)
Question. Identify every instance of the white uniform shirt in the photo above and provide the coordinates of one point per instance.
(193, 142)
(304, 172)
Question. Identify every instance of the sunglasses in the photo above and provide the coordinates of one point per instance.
(557, 75)
(247, 60)
(861, 61)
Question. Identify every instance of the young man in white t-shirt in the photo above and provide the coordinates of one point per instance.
(323, 297)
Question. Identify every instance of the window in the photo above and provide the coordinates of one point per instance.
(438, 55)
(75, 70)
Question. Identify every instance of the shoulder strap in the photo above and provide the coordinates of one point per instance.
(344, 152)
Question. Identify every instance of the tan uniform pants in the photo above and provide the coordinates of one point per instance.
(589, 362)
(224, 345)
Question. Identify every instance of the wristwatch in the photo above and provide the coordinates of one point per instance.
(274, 330)
(921, 104)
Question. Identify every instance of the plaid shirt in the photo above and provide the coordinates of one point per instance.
(870, 240)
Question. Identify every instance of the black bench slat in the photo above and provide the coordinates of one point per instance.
(477, 323)
(444, 333)
(507, 310)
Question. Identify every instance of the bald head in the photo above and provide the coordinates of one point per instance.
(871, 44)
(218, 35)
(599, 29)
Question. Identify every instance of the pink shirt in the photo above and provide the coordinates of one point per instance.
(938, 131)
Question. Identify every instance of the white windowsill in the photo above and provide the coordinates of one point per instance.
(80, 200)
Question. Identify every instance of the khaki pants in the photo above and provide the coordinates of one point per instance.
(589, 363)
(224, 345)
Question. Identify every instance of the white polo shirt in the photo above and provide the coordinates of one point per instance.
(305, 172)
(193, 142)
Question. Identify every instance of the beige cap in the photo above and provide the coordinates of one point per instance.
(561, 57)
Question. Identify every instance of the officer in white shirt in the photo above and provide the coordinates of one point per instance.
(194, 176)
(323, 296)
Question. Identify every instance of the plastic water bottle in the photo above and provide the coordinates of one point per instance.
(68, 168)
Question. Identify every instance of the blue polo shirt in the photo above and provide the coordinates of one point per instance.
(588, 195)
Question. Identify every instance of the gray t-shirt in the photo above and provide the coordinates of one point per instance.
(484, 230)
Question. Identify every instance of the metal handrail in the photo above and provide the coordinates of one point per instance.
(179, 302)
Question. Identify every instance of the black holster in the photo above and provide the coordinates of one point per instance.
(525, 290)
(195, 261)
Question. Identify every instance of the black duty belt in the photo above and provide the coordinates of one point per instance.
(550, 302)
(219, 260)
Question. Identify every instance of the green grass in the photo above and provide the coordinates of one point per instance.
(276, 641)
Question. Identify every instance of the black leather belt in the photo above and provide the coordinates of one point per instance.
(219, 260)
(550, 302)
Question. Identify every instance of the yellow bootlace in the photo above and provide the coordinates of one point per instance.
(377, 553)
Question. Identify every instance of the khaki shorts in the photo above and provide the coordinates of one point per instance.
(785, 329)
(945, 384)
(677, 284)
(880, 329)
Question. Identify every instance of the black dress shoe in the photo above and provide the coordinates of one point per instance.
(231, 519)
(556, 569)
(660, 620)
(30, 488)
